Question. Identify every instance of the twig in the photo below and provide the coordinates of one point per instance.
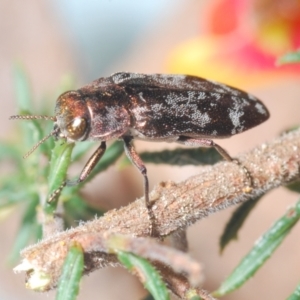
(175, 205)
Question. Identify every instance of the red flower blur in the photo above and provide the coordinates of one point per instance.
(242, 42)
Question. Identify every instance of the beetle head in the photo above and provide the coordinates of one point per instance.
(72, 117)
(71, 120)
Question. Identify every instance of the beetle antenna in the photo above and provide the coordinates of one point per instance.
(30, 117)
(40, 142)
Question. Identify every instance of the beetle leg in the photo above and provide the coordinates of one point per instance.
(137, 161)
(187, 141)
(210, 143)
(89, 166)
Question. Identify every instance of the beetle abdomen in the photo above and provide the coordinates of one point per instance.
(159, 113)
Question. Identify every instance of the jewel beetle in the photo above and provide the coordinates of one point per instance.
(157, 107)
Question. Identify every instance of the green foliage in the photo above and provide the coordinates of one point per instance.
(181, 157)
(22, 88)
(296, 294)
(30, 230)
(261, 251)
(59, 163)
(150, 277)
(68, 286)
(236, 222)
(294, 186)
(35, 179)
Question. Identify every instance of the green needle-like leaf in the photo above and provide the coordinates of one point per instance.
(236, 222)
(27, 232)
(149, 297)
(21, 241)
(9, 196)
(296, 294)
(31, 133)
(60, 161)
(182, 156)
(31, 130)
(289, 58)
(22, 88)
(294, 186)
(77, 209)
(68, 286)
(150, 277)
(8, 151)
(261, 251)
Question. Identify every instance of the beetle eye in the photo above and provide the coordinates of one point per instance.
(76, 128)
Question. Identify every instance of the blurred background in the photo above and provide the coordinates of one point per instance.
(236, 42)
